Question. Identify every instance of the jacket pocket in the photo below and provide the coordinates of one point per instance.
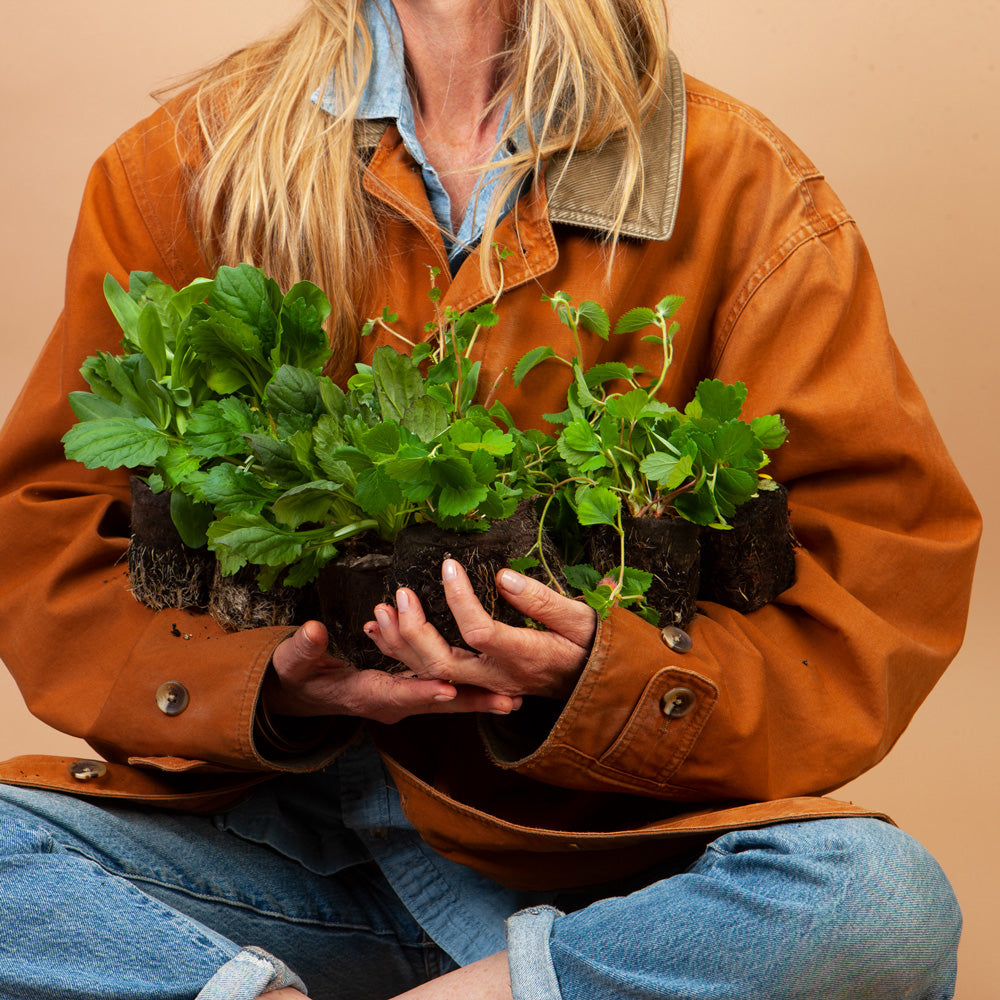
(667, 719)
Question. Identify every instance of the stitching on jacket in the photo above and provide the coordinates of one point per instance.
(154, 227)
(801, 172)
(806, 233)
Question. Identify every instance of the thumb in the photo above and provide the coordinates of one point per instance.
(574, 620)
(301, 650)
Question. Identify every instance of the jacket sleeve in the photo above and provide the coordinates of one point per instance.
(806, 693)
(87, 656)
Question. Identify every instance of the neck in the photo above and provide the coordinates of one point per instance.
(453, 49)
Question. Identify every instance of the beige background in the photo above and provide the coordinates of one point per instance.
(896, 101)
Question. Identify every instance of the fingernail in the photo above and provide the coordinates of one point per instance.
(445, 697)
(513, 582)
(402, 600)
(382, 616)
(449, 569)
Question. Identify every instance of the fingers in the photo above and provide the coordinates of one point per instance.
(575, 620)
(510, 660)
(389, 698)
(404, 634)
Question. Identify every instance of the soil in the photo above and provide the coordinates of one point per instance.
(237, 603)
(420, 550)
(668, 548)
(748, 566)
(163, 571)
(348, 590)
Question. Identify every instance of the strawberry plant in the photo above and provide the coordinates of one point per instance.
(623, 455)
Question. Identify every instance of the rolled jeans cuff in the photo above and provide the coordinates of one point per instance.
(247, 975)
(532, 974)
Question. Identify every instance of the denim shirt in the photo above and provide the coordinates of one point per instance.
(387, 97)
(350, 814)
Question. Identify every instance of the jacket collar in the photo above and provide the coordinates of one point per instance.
(578, 185)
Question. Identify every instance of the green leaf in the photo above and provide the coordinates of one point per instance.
(714, 400)
(523, 563)
(732, 442)
(115, 442)
(186, 298)
(191, 519)
(90, 406)
(666, 469)
(231, 348)
(219, 427)
(240, 538)
(376, 490)
(382, 439)
(293, 399)
(308, 502)
(303, 341)
(581, 576)
(485, 315)
(668, 305)
(334, 398)
(230, 489)
(580, 446)
(636, 582)
(409, 465)
(635, 320)
(454, 502)
(494, 442)
(398, 383)
(770, 430)
(123, 306)
(247, 294)
(178, 465)
(534, 357)
(629, 406)
(600, 374)
(592, 317)
(426, 418)
(152, 341)
(277, 459)
(598, 505)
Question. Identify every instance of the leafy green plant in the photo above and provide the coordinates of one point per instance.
(625, 453)
(405, 443)
(187, 392)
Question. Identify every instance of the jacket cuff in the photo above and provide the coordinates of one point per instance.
(189, 691)
(629, 725)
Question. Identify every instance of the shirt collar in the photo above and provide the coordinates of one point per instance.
(577, 186)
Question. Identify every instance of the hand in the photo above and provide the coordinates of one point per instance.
(511, 661)
(307, 680)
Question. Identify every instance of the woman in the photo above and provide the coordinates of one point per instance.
(642, 851)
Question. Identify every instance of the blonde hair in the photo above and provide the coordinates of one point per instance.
(281, 184)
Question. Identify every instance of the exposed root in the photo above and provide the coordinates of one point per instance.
(171, 577)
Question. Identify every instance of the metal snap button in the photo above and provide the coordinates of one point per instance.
(676, 639)
(88, 770)
(677, 702)
(172, 698)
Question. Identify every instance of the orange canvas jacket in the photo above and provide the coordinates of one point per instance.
(790, 701)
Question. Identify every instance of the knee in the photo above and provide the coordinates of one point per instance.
(864, 908)
(895, 917)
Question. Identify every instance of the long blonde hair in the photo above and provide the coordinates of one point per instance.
(281, 184)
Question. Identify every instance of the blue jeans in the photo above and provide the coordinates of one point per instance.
(123, 902)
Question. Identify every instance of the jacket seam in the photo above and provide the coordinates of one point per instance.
(795, 241)
(150, 220)
(798, 170)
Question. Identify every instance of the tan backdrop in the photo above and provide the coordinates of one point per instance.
(896, 101)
